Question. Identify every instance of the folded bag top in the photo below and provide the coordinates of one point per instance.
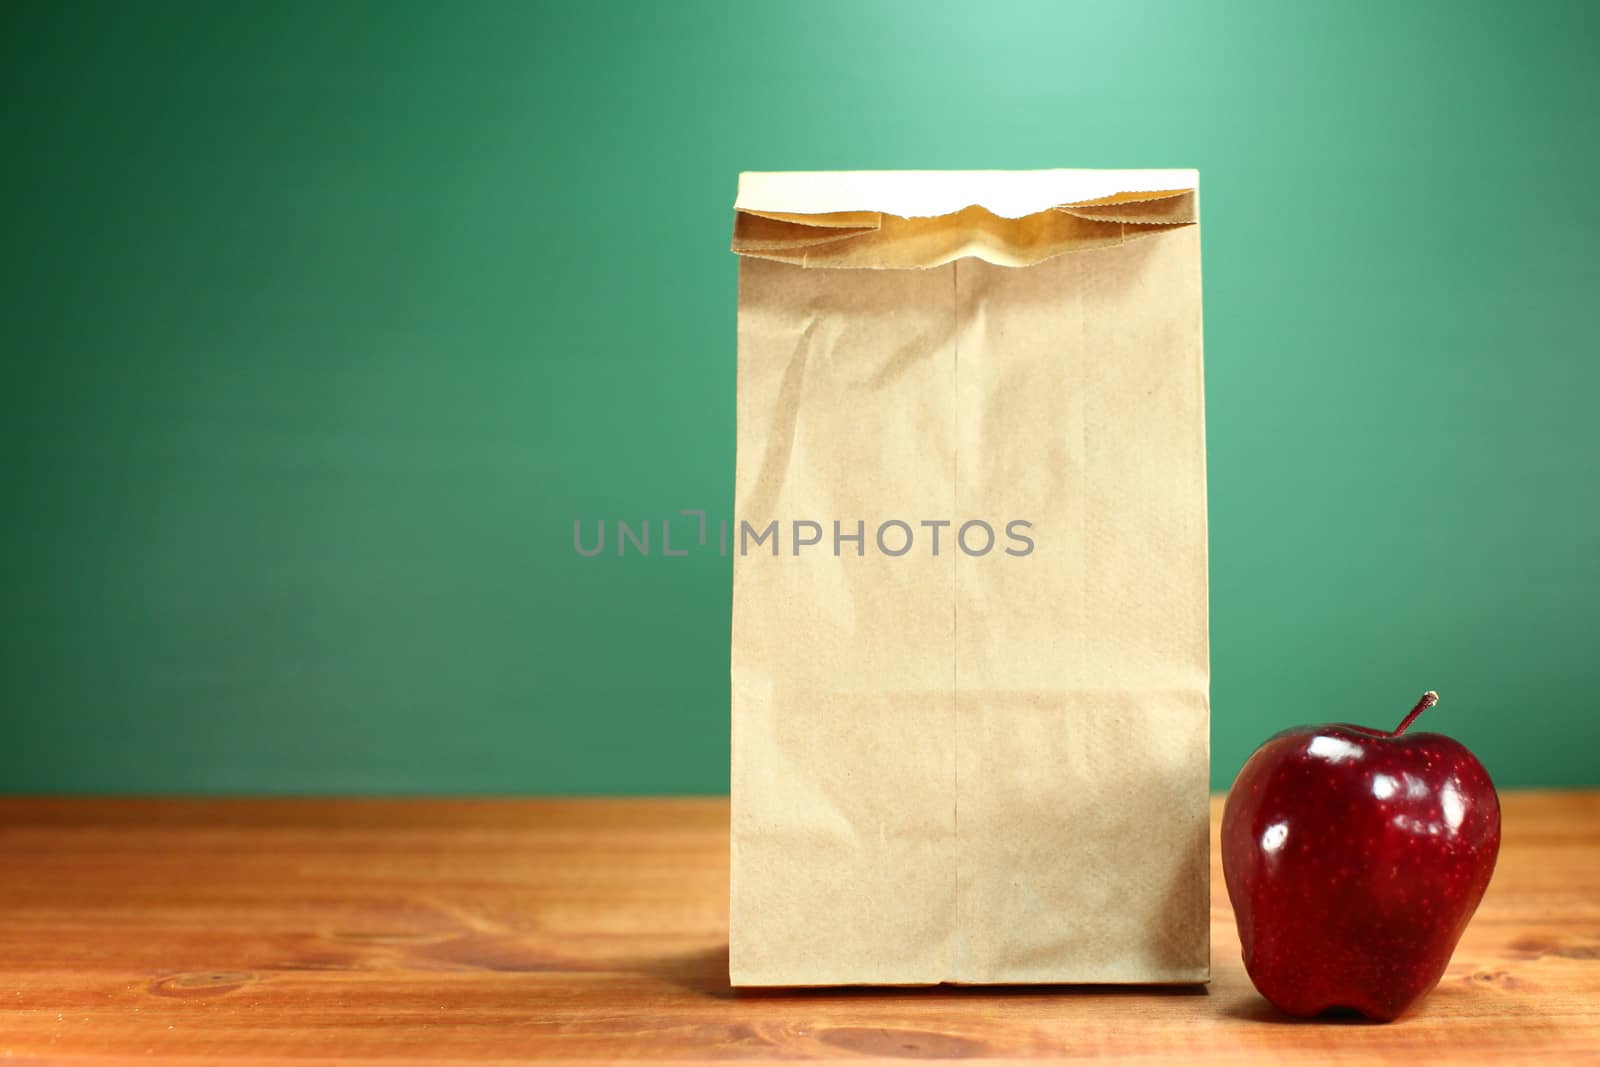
(916, 219)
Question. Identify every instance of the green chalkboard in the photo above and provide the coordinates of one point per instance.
(324, 322)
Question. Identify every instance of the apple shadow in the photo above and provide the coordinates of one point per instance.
(1258, 1010)
(705, 972)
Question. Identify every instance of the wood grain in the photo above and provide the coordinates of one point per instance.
(481, 930)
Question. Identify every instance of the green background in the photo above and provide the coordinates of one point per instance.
(323, 322)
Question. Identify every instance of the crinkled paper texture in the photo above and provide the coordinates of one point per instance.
(971, 769)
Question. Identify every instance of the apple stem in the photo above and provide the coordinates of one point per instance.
(1429, 699)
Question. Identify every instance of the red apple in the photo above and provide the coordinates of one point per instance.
(1354, 859)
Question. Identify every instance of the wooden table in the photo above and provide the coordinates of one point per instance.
(474, 930)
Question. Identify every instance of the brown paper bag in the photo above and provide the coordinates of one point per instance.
(959, 755)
